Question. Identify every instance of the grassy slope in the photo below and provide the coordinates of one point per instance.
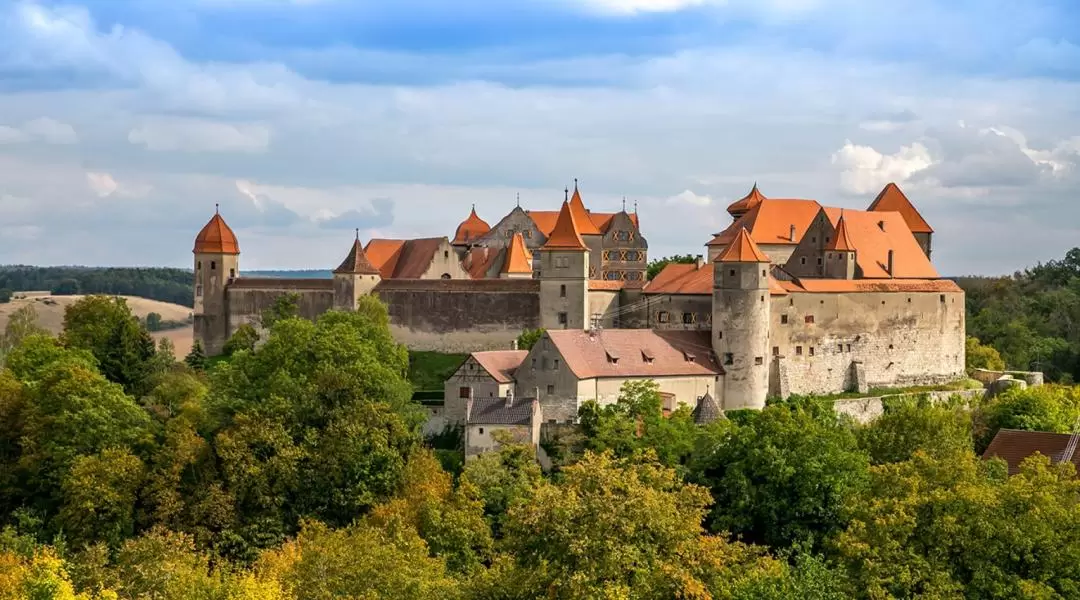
(428, 370)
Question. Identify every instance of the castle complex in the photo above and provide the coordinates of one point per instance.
(792, 298)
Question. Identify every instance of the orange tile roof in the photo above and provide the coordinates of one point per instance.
(471, 228)
(216, 238)
(478, 261)
(770, 221)
(384, 254)
(847, 286)
(603, 220)
(691, 280)
(403, 259)
(742, 249)
(585, 224)
(892, 198)
(873, 234)
(545, 220)
(565, 236)
(672, 353)
(840, 241)
(500, 364)
(1013, 446)
(740, 206)
(356, 262)
(518, 258)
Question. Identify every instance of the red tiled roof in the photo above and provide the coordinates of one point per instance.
(216, 238)
(603, 220)
(892, 198)
(742, 249)
(1014, 446)
(585, 224)
(690, 280)
(478, 261)
(518, 258)
(471, 228)
(545, 220)
(402, 259)
(840, 241)
(770, 221)
(500, 364)
(740, 206)
(590, 354)
(357, 262)
(834, 286)
(565, 235)
(873, 234)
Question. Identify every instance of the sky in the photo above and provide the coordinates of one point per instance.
(123, 122)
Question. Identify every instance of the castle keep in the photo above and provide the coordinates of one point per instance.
(794, 298)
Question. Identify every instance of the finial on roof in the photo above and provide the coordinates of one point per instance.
(635, 207)
(519, 199)
(624, 203)
(566, 194)
(358, 234)
(575, 184)
(217, 208)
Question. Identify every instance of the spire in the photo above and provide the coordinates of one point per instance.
(217, 208)
(518, 258)
(565, 235)
(742, 249)
(624, 203)
(471, 228)
(566, 194)
(356, 262)
(841, 241)
(743, 205)
(581, 214)
(519, 199)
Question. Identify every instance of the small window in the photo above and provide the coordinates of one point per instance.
(909, 300)
(763, 272)
(731, 272)
(943, 298)
(719, 335)
(198, 266)
(563, 320)
(562, 291)
(445, 276)
(534, 363)
(729, 358)
(551, 389)
(553, 421)
(471, 366)
(840, 348)
(819, 261)
(776, 350)
(555, 365)
(813, 239)
(802, 260)
(481, 431)
(809, 319)
(798, 350)
(783, 319)
(198, 291)
(213, 265)
(890, 346)
(688, 318)
(849, 347)
(663, 316)
(446, 254)
(759, 360)
(463, 392)
(232, 275)
(811, 350)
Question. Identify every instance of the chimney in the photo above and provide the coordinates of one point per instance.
(513, 345)
(699, 261)
(509, 397)
(890, 259)
(792, 235)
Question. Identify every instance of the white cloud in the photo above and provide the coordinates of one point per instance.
(1058, 160)
(42, 129)
(865, 170)
(689, 197)
(101, 184)
(196, 135)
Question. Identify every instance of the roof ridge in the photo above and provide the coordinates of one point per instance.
(518, 258)
(742, 249)
(356, 262)
(841, 242)
(892, 198)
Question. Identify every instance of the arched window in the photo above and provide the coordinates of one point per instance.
(445, 276)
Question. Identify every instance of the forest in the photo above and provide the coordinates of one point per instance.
(162, 284)
(295, 469)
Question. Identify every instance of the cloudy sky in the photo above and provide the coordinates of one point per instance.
(122, 122)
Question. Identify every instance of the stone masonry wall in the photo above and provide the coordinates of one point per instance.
(460, 316)
(247, 303)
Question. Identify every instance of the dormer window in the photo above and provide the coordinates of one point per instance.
(647, 356)
(612, 359)
(688, 357)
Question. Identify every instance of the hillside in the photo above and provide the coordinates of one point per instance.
(163, 284)
(50, 311)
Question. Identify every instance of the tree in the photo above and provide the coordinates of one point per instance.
(196, 358)
(911, 425)
(21, 324)
(106, 327)
(979, 356)
(958, 527)
(782, 476)
(5, 295)
(285, 306)
(503, 478)
(244, 338)
(528, 338)
(655, 266)
(99, 494)
(153, 322)
(1052, 408)
(66, 287)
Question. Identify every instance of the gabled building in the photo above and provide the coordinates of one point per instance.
(1015, 446)
(487, 374)
(490, 420)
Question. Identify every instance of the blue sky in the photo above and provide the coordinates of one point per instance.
(122, 122)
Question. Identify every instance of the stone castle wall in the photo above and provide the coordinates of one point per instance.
(460, 316)
(248, 298)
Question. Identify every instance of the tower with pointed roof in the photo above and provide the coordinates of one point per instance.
(217, 262)
(741, 315)
(518, 261)
(840, 253)
(355, 277)
(564, 275)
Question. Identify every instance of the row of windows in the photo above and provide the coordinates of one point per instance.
(624, 255)
(688, 318)
(729, 359)
(624, 236)
(623, 275)
(525, 233)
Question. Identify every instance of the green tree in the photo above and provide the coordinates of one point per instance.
(286, 306)
(153, 322)
(528, 338)
(1052, 408)
(99, 495)
(503, 479)
(910, 425)
(5, 295)
(21, 324)
(196, 358)
(655, 266)
(106, 327)
(957, 527)
(244, 338)
(781, 476)
(66, 287)
(979, 356)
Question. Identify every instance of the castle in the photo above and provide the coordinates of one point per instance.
(794, 298)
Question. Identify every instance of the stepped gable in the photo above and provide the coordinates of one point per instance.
(740, 207)
(216, 237)
(518, 258)
(770, 222)
(356, 263)
(585, 224)
(893, 199)
(742, 249)
(841, 241)
(565, 235)
(471, 229)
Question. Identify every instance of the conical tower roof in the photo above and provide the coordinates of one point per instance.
(581, 214)
(518, 258)
(892, 198)
(565, 235)
(471, 228)
(356, 263)
(841, 242)
(742, 249)
(216, 237)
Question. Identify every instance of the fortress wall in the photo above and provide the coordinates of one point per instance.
(460, 315)
(247, 299)
(900, 338)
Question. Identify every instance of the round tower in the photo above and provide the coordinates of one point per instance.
(741, 322)
(217, 262)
